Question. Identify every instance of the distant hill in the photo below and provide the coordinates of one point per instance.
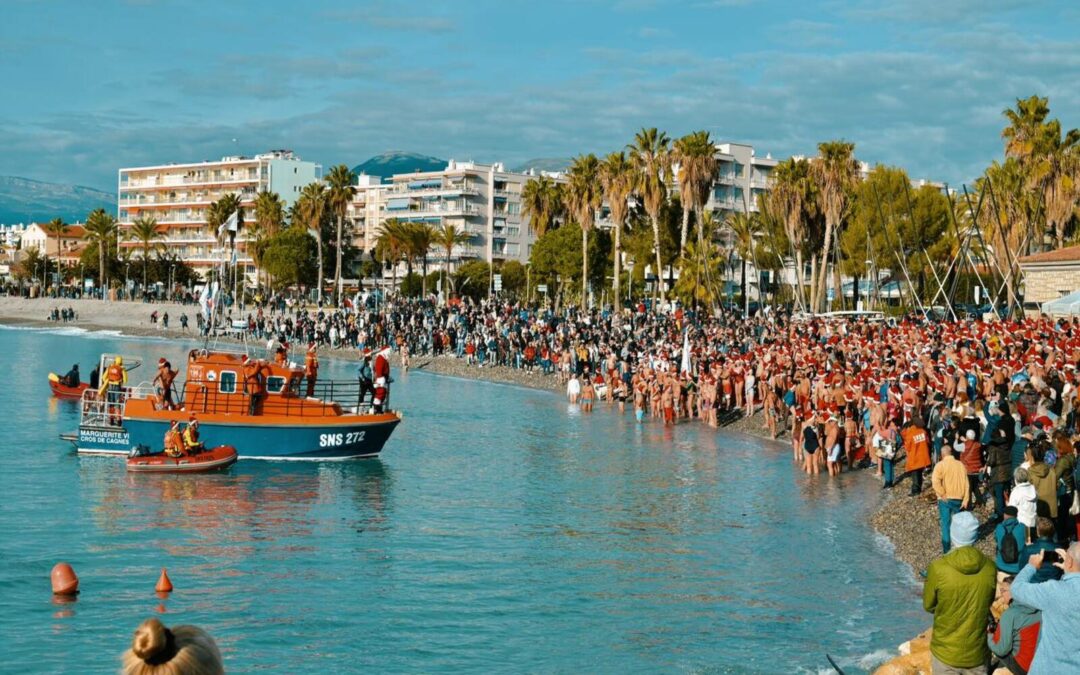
(389, 163)
(23, 200)
(544, 164)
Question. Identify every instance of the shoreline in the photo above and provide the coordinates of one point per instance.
(904, 521)
(909, 524)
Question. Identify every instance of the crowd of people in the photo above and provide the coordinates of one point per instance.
(970, 412)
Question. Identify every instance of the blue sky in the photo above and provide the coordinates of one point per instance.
(89, 87)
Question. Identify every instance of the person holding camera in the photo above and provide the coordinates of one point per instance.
(1059, 602)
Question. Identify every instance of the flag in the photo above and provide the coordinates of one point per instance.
(229, 224)
(685, 367)
(204, 301)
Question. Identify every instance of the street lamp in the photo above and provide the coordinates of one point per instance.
(127, 268)
(169, 293)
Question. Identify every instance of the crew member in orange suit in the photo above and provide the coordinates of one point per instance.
(311, 368)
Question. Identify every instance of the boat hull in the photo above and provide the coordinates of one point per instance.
(279, 441)
(214, 459)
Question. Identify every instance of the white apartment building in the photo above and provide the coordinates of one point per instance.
(742, 177)
(481, 199)
(179, 195)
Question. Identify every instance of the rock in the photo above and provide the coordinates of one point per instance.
(914, 657)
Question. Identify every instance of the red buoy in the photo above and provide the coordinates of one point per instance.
(64, 580)
(164, 585)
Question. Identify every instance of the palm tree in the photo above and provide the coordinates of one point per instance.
(308, 211)
(650, 156)
(56, 228)
(835, 172)
(788, 200)
(696, 156)
(269, 212)
(145, 230)
(447, 238)
(745, 229)
(390, 246)
(584, 196)
(101, 229)
(694, 264)
(541, 203)
(1025, 129)
(416, 240)
(341, 188)
(269, 218)
(617, 178)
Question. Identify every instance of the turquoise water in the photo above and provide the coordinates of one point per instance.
(501, 531)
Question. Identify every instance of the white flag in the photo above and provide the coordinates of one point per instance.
(229, 224)
(685, 368)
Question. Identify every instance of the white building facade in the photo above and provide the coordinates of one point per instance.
(179, 196)
(483, 200)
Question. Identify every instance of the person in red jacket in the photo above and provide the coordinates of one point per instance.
(974, 461)
(917, 447)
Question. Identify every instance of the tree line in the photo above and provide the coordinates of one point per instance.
(823, 216)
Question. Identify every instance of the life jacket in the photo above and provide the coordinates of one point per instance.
(311, 364)
(191, 437)
(174, 444)
(115, 374)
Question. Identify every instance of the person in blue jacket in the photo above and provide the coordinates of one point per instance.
(1059, 602)
(1045, 534)
(1010, 527)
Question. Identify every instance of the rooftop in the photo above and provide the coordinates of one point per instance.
(1061, 255)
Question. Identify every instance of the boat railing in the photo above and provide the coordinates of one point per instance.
(328, 399)
(103, 410)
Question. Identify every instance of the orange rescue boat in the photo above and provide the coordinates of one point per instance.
(208, 460)
(61, 390)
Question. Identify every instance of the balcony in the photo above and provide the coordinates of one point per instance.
(180, 181)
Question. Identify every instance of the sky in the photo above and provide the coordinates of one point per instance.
(89, 87)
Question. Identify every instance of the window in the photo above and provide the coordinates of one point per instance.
(275, 384)
(228, 382)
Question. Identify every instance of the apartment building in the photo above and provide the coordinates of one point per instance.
(178, 196)
(34, 235)
(742, 177)
(481, 199)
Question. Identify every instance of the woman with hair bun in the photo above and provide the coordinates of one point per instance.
(183, 650)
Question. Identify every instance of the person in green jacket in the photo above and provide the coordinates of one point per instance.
(959, 590)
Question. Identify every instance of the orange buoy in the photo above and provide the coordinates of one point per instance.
(164, 585)
(64, 581)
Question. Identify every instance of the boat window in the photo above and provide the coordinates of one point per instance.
(228, 382)
(275, 383)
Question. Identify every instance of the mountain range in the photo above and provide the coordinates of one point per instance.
(389, 163)
(23, 200)
(544, 164)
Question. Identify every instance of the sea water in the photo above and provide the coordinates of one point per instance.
(502, 530)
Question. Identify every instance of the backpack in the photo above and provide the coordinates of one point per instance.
(1010, 548)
